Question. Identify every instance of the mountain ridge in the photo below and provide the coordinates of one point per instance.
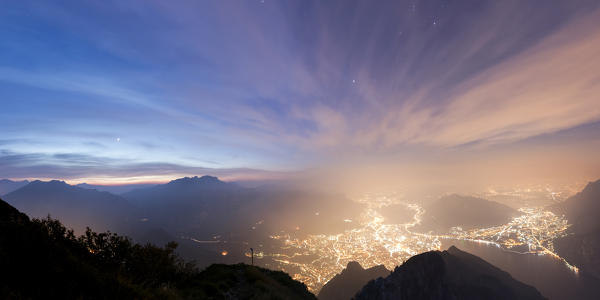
(450, 274)
(81, 207)
(464, 211)
(7, 185)
(114, 189)
(581, 246)
(41, 259)
(347, 283)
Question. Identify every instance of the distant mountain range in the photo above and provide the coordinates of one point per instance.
(347, 283)
(190, 209)
(192, 206)
(78, 206)
(582, 246)
(464, 211)
(205, 206)
(114, 189)
(195, 206)
(7, 186)
(447, 275)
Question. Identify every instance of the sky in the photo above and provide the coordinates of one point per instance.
(146, 91)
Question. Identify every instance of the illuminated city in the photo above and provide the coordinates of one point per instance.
(315, 259)
(301, 149)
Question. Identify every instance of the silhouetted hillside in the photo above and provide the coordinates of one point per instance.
(582, 246)
(447, 275)
(242, 281)
(547, 274)
(466, 212)
(346, 284)
(7, 186)
(41, 259)
(77, 207)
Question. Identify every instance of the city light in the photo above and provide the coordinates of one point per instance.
(315, 259)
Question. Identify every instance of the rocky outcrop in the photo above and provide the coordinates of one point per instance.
(345, 284)
(448, 275)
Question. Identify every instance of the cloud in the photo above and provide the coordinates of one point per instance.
(552, 86)
(548, 86)
(286, 85)
(82, 167)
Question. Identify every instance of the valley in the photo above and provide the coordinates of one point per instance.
(315, 259)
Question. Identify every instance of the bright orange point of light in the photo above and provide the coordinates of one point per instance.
(224, 252)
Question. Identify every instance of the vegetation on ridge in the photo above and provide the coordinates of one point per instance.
(43, 259)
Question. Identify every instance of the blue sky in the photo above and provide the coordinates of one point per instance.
(111, 90)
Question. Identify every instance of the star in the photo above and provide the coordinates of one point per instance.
(118, 139)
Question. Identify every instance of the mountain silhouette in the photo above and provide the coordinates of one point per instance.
(41, 259)
(113, 189)
(189, 190)
(7, 186)
(347, 283)
(581, 246)
(40, 263)
(241, 281)
(78, 207)
(547, 274)
(447, 275)
(188, 209)
(464, 211)
(205, 206)
(198, 206)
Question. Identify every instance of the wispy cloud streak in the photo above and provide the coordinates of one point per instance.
(286, 85)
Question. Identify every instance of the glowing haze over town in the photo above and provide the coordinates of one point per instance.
(317, 258)
(335, 128)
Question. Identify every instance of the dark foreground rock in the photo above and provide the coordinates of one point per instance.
(451, 274)
(41, 259)
(346, 284)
